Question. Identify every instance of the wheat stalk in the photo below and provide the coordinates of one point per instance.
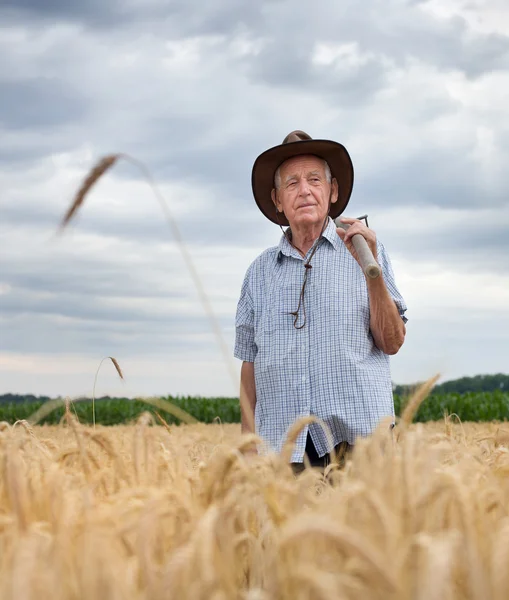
(117, 366)
(416, 400)
(118, 517)
(120, 374)
(162, 421)
(96, 173)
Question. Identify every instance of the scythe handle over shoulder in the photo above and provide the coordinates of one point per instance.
(368, 263)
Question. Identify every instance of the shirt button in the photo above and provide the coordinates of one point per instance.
(304, 379)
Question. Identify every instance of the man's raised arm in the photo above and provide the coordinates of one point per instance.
(386, 325)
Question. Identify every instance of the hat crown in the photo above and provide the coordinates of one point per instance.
(296, 136)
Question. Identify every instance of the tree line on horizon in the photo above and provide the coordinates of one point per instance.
(463, 385)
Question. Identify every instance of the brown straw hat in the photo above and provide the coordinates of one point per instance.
(297, 143)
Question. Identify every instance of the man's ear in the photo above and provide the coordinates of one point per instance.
(275, 200)
(334, 190)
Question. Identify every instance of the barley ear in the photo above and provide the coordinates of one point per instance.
(96, 173)
(117, 366)
(119, 371)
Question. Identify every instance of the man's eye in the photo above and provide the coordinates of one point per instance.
(315, 179)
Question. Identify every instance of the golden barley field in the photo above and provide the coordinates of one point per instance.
(153, 512)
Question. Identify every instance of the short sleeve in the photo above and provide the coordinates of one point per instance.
(390, 281)
(245, 347)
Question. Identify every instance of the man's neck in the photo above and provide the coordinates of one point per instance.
(304, 238)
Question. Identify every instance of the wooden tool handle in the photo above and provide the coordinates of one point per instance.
(368, 263)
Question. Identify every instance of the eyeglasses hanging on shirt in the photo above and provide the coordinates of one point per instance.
(307, 268)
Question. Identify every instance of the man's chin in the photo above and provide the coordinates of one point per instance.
(307, 219)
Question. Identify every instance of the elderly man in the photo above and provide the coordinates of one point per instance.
(313, 332)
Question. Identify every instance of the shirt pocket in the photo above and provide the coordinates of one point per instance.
(277, 338)
(285, 302)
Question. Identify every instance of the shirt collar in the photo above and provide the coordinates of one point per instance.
(330, 234)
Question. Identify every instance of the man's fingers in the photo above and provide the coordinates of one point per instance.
(354, 229)
(345, 236)
(349, 220)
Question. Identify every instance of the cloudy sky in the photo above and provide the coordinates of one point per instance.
(417, 91)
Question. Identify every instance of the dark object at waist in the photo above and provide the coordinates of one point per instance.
(321, 462)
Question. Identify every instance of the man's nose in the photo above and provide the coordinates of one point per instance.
(304, 187)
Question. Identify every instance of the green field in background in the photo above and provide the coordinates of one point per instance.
(471, 406)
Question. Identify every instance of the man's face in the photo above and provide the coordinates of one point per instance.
(304, 193)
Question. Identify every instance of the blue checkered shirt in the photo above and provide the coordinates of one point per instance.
(331, 367)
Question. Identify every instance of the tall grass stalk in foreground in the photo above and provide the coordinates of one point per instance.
(120, 374)
(415, 401)
(106, 163)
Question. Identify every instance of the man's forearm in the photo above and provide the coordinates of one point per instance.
(386, 324)
(247, 397)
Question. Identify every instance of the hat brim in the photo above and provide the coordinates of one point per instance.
(266, 165)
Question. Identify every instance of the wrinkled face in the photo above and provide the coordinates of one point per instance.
(304, 192)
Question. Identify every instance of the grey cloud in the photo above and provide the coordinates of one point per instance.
(195, 145)
(59, 8)
(22, 156)
(175, 17)
(203, 125)
(397, 32)
(104, 296)
(227, 222)
(74, 306)
(394, 31)
(436, 175)
(283, 63)
(84, 279)
(464, 250)
(90, 12)
(46, 334)
(461, 342)
(41, 102)
(486, 53)
(445, 43)
(22, 148)
(30, 214)
(47, 316)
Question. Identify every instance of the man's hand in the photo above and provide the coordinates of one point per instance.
(359, 227)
